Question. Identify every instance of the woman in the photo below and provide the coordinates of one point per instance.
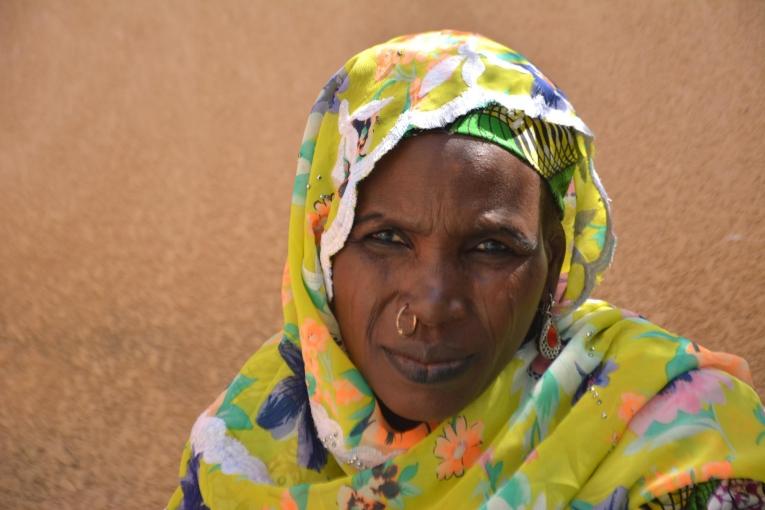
(439, 347)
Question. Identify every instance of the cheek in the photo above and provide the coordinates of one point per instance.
(357, 286)
(511, 302)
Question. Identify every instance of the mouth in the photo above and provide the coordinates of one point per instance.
(427, 372)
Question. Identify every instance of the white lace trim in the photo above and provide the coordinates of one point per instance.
(208, 437)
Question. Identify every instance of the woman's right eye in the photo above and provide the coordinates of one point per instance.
(387, 237)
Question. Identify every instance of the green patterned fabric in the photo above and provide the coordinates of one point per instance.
(694, 497)
(548, 148)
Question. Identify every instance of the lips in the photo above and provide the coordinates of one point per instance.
(427, 369)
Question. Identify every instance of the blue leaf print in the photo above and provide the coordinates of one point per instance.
(280, 411)
(287, 408)
(598, 377)
(192, 496)
(327, 100)
(311, 452)
(553, 97)
(292, 356)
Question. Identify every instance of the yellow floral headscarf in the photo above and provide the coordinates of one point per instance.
(625, 414)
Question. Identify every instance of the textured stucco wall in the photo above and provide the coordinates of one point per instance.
(146, 157)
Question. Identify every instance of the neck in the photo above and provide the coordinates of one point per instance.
(398, 423)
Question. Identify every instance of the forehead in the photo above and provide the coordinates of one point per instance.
(451, 173)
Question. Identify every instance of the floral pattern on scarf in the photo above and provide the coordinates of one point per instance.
(625, 414)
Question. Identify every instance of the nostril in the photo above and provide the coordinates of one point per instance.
(437, 312)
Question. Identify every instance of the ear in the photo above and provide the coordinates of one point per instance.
(554, 239)
(555, 246)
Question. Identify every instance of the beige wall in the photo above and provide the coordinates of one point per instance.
(146, 157)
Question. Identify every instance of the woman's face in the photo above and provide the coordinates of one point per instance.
(452, 227)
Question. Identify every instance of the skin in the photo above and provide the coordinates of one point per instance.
(467, 236)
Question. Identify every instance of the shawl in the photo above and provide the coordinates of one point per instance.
(626, 413)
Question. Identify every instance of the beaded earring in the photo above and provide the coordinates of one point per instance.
(549, 342)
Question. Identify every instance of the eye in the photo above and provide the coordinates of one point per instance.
(491, 246)
(387, 237)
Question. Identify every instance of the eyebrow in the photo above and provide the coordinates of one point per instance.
(484, 226)
(364, 218)
(519, 237)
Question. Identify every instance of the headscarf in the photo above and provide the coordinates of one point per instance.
(626, 413)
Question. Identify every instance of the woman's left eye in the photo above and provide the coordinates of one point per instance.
(491, 246)
(387, 236)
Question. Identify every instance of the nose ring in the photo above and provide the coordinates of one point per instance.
(401, 331)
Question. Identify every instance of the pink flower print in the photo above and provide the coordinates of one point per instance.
(688, 393)
(531, 457)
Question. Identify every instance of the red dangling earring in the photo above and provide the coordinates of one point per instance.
(549, 341)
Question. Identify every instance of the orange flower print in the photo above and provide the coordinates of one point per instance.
(313, 339)
(722, 470)
(386, 59)
(414, 87)
(458, 448)
(664, 483)
(414, 90)
(318, 219)
(311, 363)
(345, 392)
(631, 404)
(313, 335)
(286, 285)
(735, 366)
(390, 58)
(379, 432)
(287, 503)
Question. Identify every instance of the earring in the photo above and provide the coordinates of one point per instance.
(549, 343)
(401, 331)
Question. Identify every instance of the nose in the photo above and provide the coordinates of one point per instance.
(438, 293)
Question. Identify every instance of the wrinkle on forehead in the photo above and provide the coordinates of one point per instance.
(450, 181)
